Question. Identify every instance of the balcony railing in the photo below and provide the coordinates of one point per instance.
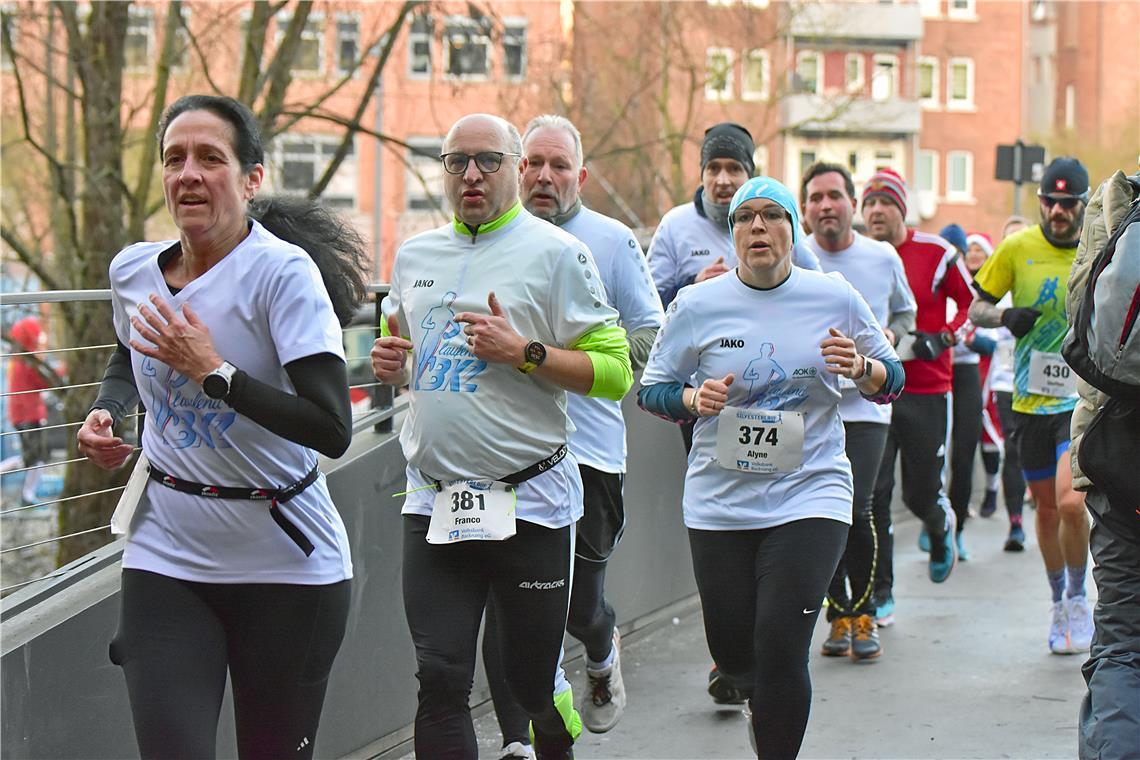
(870, 22)
(845, 115)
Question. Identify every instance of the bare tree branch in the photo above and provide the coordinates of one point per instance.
(29, 258)
(280, 69)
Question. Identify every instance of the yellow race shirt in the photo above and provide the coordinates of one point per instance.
(1036, 272)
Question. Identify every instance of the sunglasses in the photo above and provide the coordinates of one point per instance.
(1068, 203)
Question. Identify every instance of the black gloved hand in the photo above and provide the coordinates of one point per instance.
(929, 346)
(1019, 320)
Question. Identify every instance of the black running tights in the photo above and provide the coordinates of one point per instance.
(761, 592)
(176, 640)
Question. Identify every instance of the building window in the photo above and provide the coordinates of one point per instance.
(885, 79)
(8, 14)
(721, 3)
(959, 175)
(760, 160)
(1070, 106)
(807, 158)
(854, 72)
(853, 162)
(757, 70)
(884, 159)
(139, 41)
(419, 47)
(962, 9)
(300, 160)
(960, 88)
(926, 172)
(930, 8)
(310, 48)
(757, 3)
(926, 82)
(347, 44)
(718, 74)
(467, 49)
(514, 49)
(809, 71)
(423, 180)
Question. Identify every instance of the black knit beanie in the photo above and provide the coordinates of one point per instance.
(728, 140)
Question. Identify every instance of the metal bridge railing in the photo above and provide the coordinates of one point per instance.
(29, 527)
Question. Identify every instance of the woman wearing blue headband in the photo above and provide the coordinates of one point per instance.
(758, 357)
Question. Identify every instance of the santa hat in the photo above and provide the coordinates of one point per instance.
(983, 241)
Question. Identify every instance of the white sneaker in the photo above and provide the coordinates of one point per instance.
(517, 749)
(748, 724)
(606, 702)
(1059, 638)
(1080, 623)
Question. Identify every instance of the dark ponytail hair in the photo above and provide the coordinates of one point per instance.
(335, 246)
(337, 249)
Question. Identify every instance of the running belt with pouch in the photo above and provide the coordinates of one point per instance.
(522, 475)
(275, 497)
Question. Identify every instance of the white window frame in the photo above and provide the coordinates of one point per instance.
(317, 19)
(320, 160)
(818, 56)
(960, 104)
(930, 8)
(932, 155)
(765, 61)
(884, 159)
(805, 164)
(967, 13)
(757, 3)
(966, 193)
(1070, 106)
(712, 93)
(760, 160)
(413, 188)
(860, 81)
(721, 3)
(477, 36)
(876, 77)
(12, 12)
(135, 14)
(344, 18)
(935, 65)
(516, 24)
(415, 36)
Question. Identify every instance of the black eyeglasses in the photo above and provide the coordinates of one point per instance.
(1068, 203)
(770, 214)
(487, 161)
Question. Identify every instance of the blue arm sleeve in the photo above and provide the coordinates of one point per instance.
(666, 400)
(983, 345)
(891, 389)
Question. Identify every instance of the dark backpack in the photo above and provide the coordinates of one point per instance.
(1103, 348)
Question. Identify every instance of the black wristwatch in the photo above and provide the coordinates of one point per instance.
(533, 356)
(217, 383)
(866, 368)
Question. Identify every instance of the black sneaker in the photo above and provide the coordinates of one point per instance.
(838, 642)
(722, 692)
(989, 504)
(865, 639)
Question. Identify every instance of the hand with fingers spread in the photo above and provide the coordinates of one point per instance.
(840, 355)
(180, 341)
(710, 398)
(491, 337)
(390, 354)
(97, 441)
(715, 269)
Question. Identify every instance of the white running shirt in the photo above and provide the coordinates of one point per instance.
(770, 340)
(599, 440)
(472, 419)
(265, 306)
(876, 271)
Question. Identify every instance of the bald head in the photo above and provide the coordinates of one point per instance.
(478, 196)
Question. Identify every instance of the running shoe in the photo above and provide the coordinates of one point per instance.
(1080, 623)
(1060, 641)
(751, 731)
(885, 612)
(941, 567)
(924, 541)
(865, 639)
(1016, 540)
(722, 692)
(603, 709)
(963, 555)
(838, 643)
(989, 504)
(516, 750)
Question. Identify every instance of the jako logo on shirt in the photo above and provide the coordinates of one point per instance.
(424, 283)
(732, 343)
(543, 585)
(700, 252)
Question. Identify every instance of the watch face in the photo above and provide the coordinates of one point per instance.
(215, 385)
(535, 352)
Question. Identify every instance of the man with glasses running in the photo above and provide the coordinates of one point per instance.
(1033, 265)
(518, 318)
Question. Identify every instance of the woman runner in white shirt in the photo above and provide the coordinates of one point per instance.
(757, 356)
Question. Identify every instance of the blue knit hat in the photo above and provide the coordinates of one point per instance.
(773, 190)
(955, 236)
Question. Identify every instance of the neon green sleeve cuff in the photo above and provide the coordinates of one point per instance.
(609, 353)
